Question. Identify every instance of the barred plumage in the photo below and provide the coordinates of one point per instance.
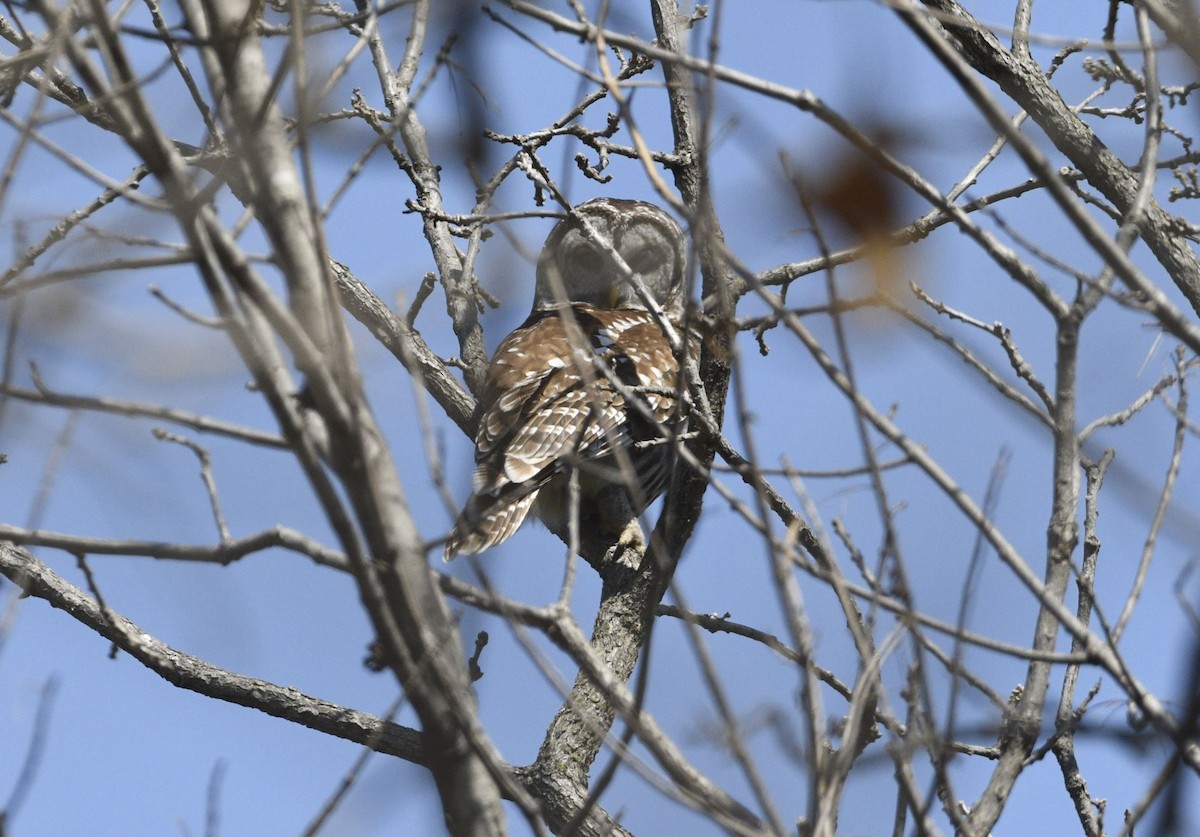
(587, 381)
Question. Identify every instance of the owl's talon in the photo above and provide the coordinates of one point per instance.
(632, 537)
(630, 546)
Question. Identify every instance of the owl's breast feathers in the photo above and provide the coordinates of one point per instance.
(572, 385)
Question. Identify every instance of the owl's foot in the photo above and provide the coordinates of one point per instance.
(630, 546)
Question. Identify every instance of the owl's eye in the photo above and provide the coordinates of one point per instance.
(645, 258)
(588, 259)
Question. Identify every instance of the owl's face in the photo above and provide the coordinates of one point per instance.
(576, 266)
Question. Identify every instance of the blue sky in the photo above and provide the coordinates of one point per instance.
(127, 753)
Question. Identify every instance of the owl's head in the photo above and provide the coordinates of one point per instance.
(577, 263)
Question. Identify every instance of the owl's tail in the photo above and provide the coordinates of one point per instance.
(486, 521)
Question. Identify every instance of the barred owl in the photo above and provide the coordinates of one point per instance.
(586, 384)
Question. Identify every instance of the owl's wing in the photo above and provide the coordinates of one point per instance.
(545, 401)
(557, 392)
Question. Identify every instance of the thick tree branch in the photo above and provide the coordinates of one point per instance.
(196, 675)
(1025, 83)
